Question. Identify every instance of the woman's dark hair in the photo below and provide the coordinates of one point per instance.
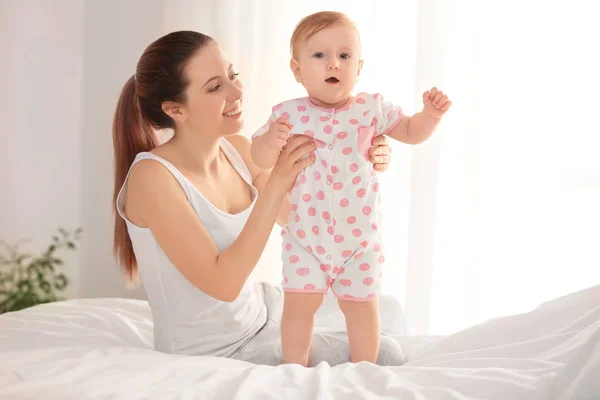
(159, 77)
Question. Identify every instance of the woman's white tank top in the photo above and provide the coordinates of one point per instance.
(186, 320)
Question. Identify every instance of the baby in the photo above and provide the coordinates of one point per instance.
(333, 236)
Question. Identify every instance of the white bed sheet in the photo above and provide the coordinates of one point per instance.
(101, 349)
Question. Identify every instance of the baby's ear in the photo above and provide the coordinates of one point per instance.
(295, 67)
(360, 65)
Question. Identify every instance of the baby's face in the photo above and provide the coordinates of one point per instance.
(328, 65)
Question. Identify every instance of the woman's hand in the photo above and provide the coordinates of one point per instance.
(379, 154)
(291, 162)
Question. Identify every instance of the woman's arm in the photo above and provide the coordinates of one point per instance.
(164, 208)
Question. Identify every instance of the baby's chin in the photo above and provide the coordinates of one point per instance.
(329, 99)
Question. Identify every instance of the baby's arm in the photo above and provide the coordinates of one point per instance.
(419, 127)
(266, 147)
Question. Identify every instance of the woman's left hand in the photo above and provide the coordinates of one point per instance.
(379, 154)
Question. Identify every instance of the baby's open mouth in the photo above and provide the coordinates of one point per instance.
(333, 79)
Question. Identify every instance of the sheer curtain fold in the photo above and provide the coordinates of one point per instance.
(498, 211)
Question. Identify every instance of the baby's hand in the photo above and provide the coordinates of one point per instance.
(278, 133)
(435, 103)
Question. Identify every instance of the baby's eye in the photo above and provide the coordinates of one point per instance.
(319, 55)
(344, 56)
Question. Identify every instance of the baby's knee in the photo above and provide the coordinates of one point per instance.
(390, 352)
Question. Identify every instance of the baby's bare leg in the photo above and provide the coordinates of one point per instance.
(297, 322)
(364, 329)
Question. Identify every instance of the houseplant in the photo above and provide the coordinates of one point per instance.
(27, 280)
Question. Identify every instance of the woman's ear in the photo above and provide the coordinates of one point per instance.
(174, 110)
(295, 67)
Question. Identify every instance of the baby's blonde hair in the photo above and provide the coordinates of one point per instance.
(316, 22)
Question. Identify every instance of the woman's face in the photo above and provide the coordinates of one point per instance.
(214, 94)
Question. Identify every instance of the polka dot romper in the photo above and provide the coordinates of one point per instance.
(332, 238)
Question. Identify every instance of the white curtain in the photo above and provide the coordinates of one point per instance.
(499, 211)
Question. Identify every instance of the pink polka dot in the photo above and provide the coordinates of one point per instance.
(354, 121)
(336, 270)
(285, 280)
(371, 296)
(306, 197)
(309, 249)
(320, 250)
(312, 211)
(345, 282)
(356, 180)
(326, 215)
(338, 238)
(302, 271)
(346, 253)
(344, 202)
(368, 281)
(376, 95)
(367, 210)
(293, 207)
(324, 118)
(364, 244)
(366, 112)
(304, 119)
(317, 175)
(294, 259)
(286, 115)
(335, 122)
(325, 267)
(353, 167)
(328, 129)
(297, 218)
(377, 247)
(351, 220)
(320, 195)
(376, 187)
(282, 232)
(342, 135)
(358, 256)
(360, 100)
(302, 179)
(288, 246)
(342, 270)
(347, 150)
(309, 133)
(356, 232)
(277, 107)
(296, 184)
(315, 230)
(364, 267)
(329, 179)
(301, 108)
(330, 230)
(301, 234)
(320, 143)
(338, 185)
(324, 163)
(374, 225)
(381, 259)
(361, 193)
(334, 222)
(309, 286)
(334, 169)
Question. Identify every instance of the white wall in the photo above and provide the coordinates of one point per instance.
(41, 82)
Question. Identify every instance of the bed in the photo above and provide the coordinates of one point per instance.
(102, 349)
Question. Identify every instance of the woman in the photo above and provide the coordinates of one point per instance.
(189, 213)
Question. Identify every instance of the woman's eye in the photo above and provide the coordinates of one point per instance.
(234, 76)
(214, 89)
(344, 56)
(319, 55)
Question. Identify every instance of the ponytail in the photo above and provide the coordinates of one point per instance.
(131, 135)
